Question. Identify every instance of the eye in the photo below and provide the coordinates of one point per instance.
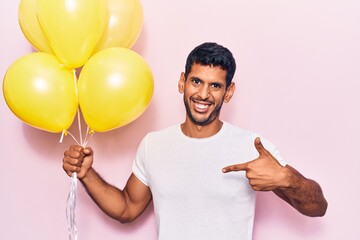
(216, 85)
(196, 81)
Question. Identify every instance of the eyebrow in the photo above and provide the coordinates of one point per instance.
(214, 82)
(196, 78)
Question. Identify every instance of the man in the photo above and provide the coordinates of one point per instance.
(202, 175)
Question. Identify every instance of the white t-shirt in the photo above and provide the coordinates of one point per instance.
(193, 198)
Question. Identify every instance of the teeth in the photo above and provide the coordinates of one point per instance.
(201, 106)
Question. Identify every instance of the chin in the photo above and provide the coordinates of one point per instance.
(201, 122)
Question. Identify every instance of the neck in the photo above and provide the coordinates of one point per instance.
(197, 131)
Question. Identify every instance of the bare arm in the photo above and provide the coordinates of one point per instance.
(266, 174)
(123, 205)
(303, 194)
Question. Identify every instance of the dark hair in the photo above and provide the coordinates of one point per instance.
(212, 54)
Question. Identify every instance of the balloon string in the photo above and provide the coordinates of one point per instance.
(71, 200)
(78, 112)
(79, 123)
(89, 134)
(70, 208)
(62, 135)
(73, 138)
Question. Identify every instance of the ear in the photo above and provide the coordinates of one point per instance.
(229, 92)
(181, 83)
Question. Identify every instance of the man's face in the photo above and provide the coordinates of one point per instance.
(204, 93)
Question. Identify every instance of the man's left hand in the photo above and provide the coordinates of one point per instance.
(264, 173)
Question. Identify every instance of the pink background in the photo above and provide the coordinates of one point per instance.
(297, 84)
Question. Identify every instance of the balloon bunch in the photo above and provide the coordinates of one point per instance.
(115, 84)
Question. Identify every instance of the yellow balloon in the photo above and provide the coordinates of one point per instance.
(30, 26)
(124, 24)
(72, 27)
(40, 92)
(115, 87)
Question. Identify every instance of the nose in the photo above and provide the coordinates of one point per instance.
(204, 92)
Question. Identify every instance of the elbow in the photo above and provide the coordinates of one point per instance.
(317, 211)
(323, 209)
(123, 219)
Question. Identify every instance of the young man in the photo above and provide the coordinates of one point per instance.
(202, 175)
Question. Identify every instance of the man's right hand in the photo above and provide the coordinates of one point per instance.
(78, 159)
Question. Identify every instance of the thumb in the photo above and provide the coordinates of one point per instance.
(87, 151)
(259, 146)
(235, 168)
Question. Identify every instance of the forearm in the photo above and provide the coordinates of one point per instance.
(109, 199)
(303, 194)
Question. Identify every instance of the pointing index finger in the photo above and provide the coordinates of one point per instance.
(235, 168)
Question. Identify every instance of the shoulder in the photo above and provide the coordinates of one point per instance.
(236, 131)
(165, 133)
(246, 136)
(157, 140)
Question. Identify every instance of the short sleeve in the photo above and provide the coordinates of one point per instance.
(138, 167)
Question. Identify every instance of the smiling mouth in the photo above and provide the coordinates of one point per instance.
(201, 106)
